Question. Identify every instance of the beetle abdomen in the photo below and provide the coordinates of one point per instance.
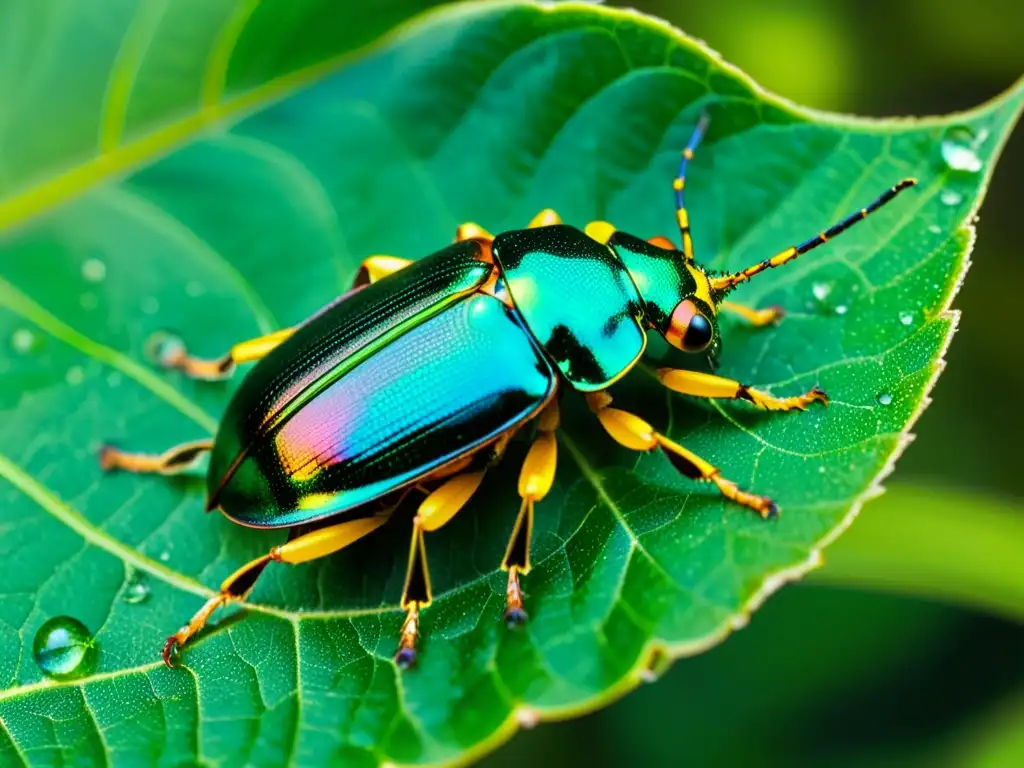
(438, 392)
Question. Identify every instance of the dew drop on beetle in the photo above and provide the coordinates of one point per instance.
(64, 649)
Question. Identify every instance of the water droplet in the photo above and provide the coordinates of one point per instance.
(164, 348)
(950, 197)
(88, 300)
(821, 290)
(885, 399)
(527, 717)
(136, 591)
(960, 149)
(165, 556)
(74, 376)
(906, 318)
(94, 270)
(64, 649)
(842, 309)
(23, 340)
(194, 288)
(822, 469)
(150, 305)
(935, 229)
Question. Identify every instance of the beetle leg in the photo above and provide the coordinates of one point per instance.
(633, 432)
(545, 218)
(756, 317)
(174, 355)
(309, 546)
(174, 461)
(375, 267)
(535, 480)
(434, 511)
(706, 385)
(472, 231)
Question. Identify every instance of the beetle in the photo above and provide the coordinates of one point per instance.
(415, 380)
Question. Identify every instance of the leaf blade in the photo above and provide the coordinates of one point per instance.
(630, 560)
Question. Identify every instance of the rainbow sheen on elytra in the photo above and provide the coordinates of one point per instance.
(64, 649)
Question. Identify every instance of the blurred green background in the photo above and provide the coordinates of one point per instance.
(825, 676)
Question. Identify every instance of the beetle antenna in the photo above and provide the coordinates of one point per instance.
(720, 285)
(682, 218)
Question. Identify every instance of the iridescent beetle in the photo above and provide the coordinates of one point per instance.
(416, 379)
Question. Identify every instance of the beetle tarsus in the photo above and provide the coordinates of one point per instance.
(108, 457)
(516, 617)
(515, 614)
(170, 652)
(405, 656)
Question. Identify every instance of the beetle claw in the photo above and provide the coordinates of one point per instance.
(516, 617)
(405, 658)
(170, 651)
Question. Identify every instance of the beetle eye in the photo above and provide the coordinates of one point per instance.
(689, 329)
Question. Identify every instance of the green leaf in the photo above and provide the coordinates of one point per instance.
(955, 546)
(140, 193)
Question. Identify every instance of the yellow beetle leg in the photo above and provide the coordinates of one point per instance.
(174, 461)
(174, 356)
(309, 546)
(706, 385)
(636, 434)
(472, 231)
(375, 267)
(440, 506)
(545, 218)
(535, 480)
(756, 317)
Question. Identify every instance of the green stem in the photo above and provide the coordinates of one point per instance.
(954, 546)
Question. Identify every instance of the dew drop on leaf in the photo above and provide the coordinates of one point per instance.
(136, 591)
(950, 197)
(23, 340)
(935, 229)
(165, 556)
(94, 270)
(74, 376)
(64, 649)
(885, 399)
(821, 290)
(842, 309)
(960, 149)
(906, 318)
